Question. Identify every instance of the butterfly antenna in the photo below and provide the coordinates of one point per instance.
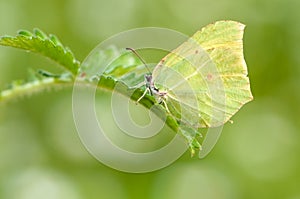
(142, 60)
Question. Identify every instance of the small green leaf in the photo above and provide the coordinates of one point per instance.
(35, 83)
(40, 43)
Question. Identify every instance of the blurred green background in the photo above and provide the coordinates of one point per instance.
(41, 155)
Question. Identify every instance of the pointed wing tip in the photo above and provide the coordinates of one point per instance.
(231, 22)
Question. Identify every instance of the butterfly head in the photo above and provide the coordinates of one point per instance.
(148, 78)
(149, 82)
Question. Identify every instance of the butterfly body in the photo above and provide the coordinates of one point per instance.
(160, 96)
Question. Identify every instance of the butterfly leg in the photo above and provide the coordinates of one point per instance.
(147, 90)
(165, 105)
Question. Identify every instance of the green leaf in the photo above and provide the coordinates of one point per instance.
(124, 69)
(48, 46)
(35, 83)
(108, 83)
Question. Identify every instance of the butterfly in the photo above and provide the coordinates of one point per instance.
(203, 82)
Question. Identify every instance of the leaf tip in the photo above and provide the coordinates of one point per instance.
(25, 33)
(40, 34)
